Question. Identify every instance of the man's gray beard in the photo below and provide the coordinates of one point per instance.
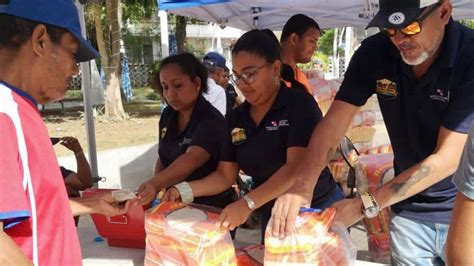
(417, 61)
(427, 53)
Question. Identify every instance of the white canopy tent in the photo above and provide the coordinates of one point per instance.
(272, 14)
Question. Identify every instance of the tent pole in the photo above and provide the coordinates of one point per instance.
(348, 51)
(88, 110)
(165, 50)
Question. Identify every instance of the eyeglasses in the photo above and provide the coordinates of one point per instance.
(248, 76)
(414, 28)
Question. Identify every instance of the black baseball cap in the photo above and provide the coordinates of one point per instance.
(397, 14)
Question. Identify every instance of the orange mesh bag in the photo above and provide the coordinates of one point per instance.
(372, 171)
(179, 234)
(313, 242)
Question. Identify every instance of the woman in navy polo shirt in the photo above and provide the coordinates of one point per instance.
(267, 136)
(191, 130)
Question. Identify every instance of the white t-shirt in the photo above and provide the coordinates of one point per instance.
(216, 96)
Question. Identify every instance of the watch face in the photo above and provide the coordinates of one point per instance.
(371, 212)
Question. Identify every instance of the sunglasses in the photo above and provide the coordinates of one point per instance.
(413, 28)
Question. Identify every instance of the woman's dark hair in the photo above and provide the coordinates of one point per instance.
(272, 35)
(189, 65)
(298, 24)
(258, 42)
(17, 31)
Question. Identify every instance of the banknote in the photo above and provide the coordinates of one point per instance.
(123, 195)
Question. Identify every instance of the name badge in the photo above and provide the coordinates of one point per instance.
(238, 136)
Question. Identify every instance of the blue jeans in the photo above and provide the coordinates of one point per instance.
(417, 243)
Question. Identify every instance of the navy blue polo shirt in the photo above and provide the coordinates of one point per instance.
(415, 109)
(260, 150)
(205, 129)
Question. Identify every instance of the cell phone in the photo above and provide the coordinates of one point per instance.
(55, 141)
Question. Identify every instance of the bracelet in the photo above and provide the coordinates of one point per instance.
(186, 192)
(250, 203)
(79, 153)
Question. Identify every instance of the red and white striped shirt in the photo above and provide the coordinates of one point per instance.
(34, 206)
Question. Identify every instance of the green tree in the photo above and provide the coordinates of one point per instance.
(468, 23)
(135, 11)
(105, 23)
(326, 42)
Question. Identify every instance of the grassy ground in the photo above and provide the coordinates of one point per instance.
(140, 128)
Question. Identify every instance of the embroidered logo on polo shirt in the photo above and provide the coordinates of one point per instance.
(386, 87)
(238, 136)
(275, 125)
(163, 132)
(440, 95)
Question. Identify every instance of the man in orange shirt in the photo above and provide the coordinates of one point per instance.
(299, 41)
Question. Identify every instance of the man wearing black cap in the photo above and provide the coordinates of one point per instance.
(40, 45)
(215, 64)
(421, 67)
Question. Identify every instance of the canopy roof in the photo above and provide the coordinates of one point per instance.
(272, 14)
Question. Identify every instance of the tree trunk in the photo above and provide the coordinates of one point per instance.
(113, 100)
(99, 33)
(180, 33)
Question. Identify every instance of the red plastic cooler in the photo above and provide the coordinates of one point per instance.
(126, 230)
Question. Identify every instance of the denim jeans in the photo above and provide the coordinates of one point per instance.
(416, 242)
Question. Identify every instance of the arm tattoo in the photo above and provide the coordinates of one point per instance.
(400, 189)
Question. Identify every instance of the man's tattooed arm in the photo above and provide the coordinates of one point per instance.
(401, 188)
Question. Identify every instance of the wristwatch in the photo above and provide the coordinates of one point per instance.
(370, 208)
(250, 203)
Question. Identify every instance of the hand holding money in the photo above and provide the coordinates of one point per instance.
(103, 203)
(117, 203)
(123, 195)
